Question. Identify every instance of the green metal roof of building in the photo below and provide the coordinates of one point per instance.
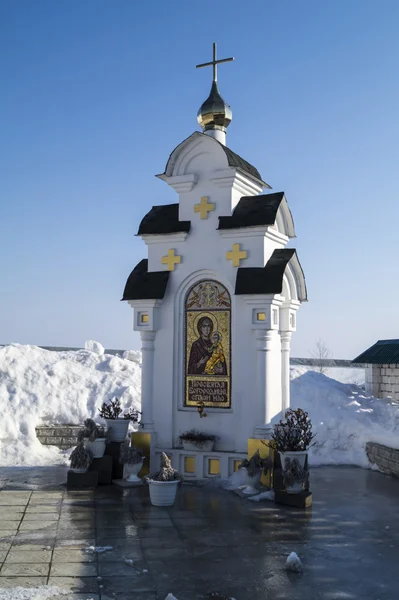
(383, 352)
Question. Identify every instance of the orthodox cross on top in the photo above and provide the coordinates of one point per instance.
(215, 63)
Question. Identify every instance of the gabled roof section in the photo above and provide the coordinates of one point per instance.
(233, 159)
(383, 352)
(252, 211)
(142, 285)
(269, 279)
(163, 219)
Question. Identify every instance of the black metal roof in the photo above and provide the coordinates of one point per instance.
(267, 279)
(235, 160)
(253, 210)
(142, 285)
(163, 219)
(383, 352)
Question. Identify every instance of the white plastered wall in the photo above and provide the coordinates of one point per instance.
(201, 169)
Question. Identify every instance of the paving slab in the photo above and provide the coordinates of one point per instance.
(78, 585)
(24, 569)
(210, 541)
(73, 569)
(75, 555)
(25, 582)
(28, 556)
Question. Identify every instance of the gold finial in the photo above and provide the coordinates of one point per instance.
(214, 113)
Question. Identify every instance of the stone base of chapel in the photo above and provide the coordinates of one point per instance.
(202, 465)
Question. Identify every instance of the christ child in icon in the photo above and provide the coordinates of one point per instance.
(214, 366)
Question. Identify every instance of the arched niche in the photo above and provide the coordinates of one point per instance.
(207, 344)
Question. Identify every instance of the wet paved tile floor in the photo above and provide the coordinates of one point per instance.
(209, 541)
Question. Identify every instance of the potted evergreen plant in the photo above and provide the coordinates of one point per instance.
(292, 439)
(163, 483)
(132, 459)
(117, 426)
(197, 441)
(80, 459)
(93, 437)
(255, 467)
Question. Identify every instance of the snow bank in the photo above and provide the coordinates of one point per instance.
(43, 387)
(344, 418)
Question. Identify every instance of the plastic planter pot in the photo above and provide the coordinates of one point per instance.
(206, 446)
(297, 486)
(162, 493)
(96, 448)
(131, 472)
(117, 429)
(254, 480)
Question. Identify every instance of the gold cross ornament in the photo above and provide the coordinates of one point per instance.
(203, 208)
(171, 260)
(235, 255)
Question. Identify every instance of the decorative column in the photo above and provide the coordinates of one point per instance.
(285, 369)
(147, 377)
(264, 372)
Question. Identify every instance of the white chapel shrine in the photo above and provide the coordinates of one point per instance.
(215, 302)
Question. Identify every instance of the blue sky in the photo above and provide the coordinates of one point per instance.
(95, 96)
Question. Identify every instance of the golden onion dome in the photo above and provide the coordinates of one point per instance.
(214, 113)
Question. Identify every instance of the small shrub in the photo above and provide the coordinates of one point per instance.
(129, 455)
(256, 464)
(91, 430)
(80, 457)
(112, 410)
(295, 433)
(196, 436)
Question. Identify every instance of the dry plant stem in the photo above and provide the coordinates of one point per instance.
(166, 472)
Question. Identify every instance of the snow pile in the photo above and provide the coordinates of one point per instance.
(293, 563)
(43, 387)
(268, 495)
(344, 418)
(96, 347)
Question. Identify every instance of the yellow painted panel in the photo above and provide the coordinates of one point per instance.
(261, 316)
(236, 464)
(214, 466)
(189, 464)
(265, 452)
(144, 318)
(142, 441)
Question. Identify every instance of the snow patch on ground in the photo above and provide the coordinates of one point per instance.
(98, 549)
(268, 495)
(38, 593)
(39, 386)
